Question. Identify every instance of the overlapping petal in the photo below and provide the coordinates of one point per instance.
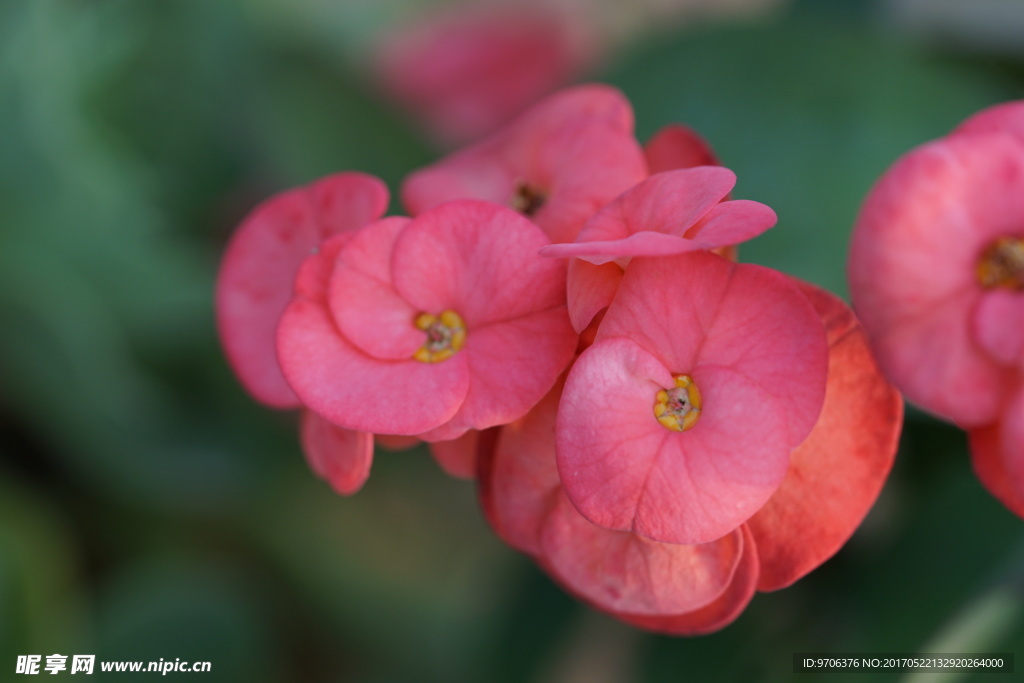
(254, 284)
(836, 474)
(340, 456)
(677, 146)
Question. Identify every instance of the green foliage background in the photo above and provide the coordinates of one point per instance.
(149, 509)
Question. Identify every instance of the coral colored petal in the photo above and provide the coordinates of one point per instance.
(393, 442)
(340, 456)
(912, 268)
(1011, 428)
(621, 572)
(837, 473)
(363, 301)
(1002, 118)
(718, 614)
(998, 326)
(478, 259)
(255, 280)
(676, 146)
(745, 317)
(457, 457)
(513, 364)
(521, 477)
(989, 463)
(732, 223)
(357, 391)
(590, 288)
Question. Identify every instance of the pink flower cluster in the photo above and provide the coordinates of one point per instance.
(665, 431)
(937, 275)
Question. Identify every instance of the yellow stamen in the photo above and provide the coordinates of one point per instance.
(526, 199)
(446, 334)
(1001, 265)
(678, 408)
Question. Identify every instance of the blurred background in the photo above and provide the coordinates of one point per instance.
(150, 509)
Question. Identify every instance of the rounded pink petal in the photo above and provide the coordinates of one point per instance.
(699, 309)
(340, 456)
(457, 457)
(367, 309)
(719, 613)
(677, 146)
(624, 471)
(356, 391)
(1002, 118)
(733, 222)
(835, 476)
(998, 326)
(519, 480)
(590, 289)
(512, 365)
(991, 463)
(912, 268)
(478, 259)
(621, 572)
(254, 284)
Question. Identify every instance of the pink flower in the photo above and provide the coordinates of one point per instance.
(557, 164)
(731, 359)
(254, 284)
(673, 212)
(937, 275)
(677, 146)
(832, 479)
(254, 287)
(469, 71)
(430, 326)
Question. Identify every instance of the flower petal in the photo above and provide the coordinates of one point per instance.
(733, 222)
(719, 613)
(619, 571)
(254, 284)
(676, 146)
(997, 325)
(340, 456)
(837, 473)
(356, 391)
(457, 457)
(997, 462)
(478, 259)
(590, 288)
(1002, 118)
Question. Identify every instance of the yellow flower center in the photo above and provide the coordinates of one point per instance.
(1001, 265)
(446, 334)
(678, 408)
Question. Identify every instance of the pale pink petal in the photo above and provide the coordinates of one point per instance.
(912, 268)
(478, 259)
(699, 309)
(624, 471)
(356, 391)
(676, 146)
(457, 457)
(590, 289)
(254, 284)
(719, 613)
(1002, 118)
(997, 325)
(835, 476)
(621, 572)
(363, 301)
(512, 365)
(340, 456)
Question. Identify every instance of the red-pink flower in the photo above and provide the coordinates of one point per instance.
(731, 359)
(833, 477)
(937, 275)
(466, 72)
(557, 164)
(673, 212)
(429, 326)
(254, 287)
